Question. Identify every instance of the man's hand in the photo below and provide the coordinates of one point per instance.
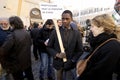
(61, 55)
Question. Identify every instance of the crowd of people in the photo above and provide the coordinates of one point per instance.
(57, 63)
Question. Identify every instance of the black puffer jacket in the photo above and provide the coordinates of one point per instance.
(104, 61)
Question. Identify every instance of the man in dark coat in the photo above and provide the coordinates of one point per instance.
(15, 53)
(4, 30)
(34, 34)
(72, 42)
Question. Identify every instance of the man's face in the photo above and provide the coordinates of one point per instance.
(66, 19)
(4, 23)
(59, 22)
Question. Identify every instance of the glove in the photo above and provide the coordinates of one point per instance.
(69, 65)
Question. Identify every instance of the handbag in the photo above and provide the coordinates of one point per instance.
(81, 64)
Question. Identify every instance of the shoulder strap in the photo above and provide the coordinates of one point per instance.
(100, 46)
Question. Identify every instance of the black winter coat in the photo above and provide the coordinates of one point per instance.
(34, 34)
(104, 61)
(44, 34)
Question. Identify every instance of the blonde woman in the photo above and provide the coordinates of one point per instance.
(105, 60)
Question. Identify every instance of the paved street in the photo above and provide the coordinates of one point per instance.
(35, 67)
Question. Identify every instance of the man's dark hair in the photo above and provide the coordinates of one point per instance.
(16, 22)
(69, 12)
(35, 25)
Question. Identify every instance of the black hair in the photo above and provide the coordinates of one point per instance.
(88, 22)
(69, 12)
(35, 25)
(16, 22)
(49, 22)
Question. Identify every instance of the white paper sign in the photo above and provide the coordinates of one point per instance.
(51, 10)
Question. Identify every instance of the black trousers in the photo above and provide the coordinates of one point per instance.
(36, 51)
(20, 74)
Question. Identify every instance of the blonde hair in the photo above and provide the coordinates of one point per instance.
(107, 22)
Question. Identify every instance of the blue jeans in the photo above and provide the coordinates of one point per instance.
(46, 66)
(51, 70)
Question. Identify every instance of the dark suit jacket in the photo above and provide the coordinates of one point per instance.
(73, 46)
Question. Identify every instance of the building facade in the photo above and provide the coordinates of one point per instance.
(28, 10)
